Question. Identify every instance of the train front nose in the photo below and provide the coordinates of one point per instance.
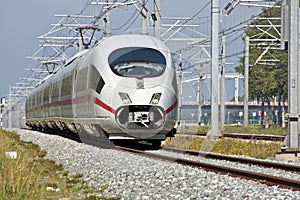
(136, 117)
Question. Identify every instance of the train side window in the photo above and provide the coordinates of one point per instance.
(35, 100)
(100, 85)
(38, 97)
(46, 94)
(67, 85)
(29, 101)
(81, 83)
(96, 82)
(55, 90)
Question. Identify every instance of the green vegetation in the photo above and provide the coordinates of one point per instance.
(268, 81)
(256, 129)
(31, 176)
(253, 148)
(193, 129)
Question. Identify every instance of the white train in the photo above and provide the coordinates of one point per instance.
(124, 87)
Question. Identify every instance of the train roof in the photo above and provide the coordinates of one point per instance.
(77, 55)
(115, 42)
(125, 40)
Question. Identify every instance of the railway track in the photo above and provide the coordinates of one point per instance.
(262, 163)
(259, 177)
(245, 136)
(267, 179)
(133, 175)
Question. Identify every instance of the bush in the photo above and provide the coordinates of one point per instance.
(254, 148)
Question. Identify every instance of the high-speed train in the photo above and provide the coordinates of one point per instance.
(124, 87)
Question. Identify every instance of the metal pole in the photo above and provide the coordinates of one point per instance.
(246, 83)
(284, 37)
(293, 113)
(1, 117)
(222, 108)
(144, 19)
(107, 25)
(179, 89)
(157, 7)
(200, 90)
(295, 140)
(9, 110)
(214, 120)
(236, 90)
(144, 26)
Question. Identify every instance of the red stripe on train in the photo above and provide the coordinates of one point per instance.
(103, 105)
(172, 107)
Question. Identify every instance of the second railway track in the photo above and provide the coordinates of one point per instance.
(245, 136)
(262, 163)
(245, 174)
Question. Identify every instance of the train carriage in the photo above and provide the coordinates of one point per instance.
(124, 87)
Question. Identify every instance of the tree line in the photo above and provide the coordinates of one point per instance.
(268, 66)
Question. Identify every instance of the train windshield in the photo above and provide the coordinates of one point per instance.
(137, 62)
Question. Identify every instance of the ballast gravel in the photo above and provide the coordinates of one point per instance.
(252, 168)
(129, 176)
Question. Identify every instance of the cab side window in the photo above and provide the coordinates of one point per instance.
(95, 80)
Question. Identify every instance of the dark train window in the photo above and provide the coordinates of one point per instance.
(67, 85)
(29, 102)
(81, 83)
(39, 98)
(35, 100)
(55, 89)
(46, 94)
(137, 62)
(95, 80)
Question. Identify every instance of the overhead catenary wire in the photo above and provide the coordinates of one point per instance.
(132, 22)
(105, 8)
(129, 21)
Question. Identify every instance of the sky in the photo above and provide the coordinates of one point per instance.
(21, 22)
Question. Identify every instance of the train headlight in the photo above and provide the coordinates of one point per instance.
(155, 98)
(125, 98)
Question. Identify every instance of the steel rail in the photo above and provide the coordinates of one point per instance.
(258, 177)
(267, 164)
(244, 136)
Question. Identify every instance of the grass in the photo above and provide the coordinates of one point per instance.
(31, 176)
(256, 129)
(253, 148)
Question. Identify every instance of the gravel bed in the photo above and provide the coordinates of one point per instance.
(253, 168)
(131, 176)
